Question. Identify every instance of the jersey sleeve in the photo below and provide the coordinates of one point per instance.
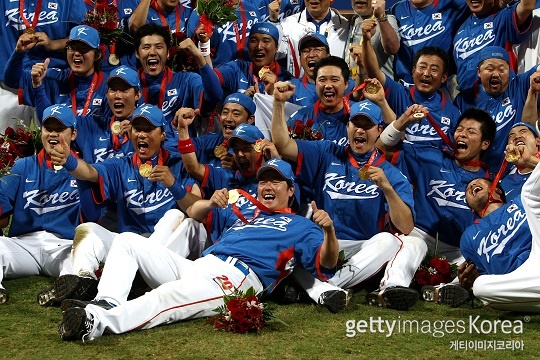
(9, 186)
(227, 74)
(468, 251)
(109, 173)
(311, 155)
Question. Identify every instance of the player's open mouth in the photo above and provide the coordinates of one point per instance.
(360, 4)
(476, 189)
(311, 64)
(244, 165)
(359, 142)
(53, 143)
(329, 96)
(77, 62)
(229, 127)
(269, 197)
(259, 56)
(425, 82)
(519, 142)
(153, 63)
(314, 3)
(142, 147)
(460, 145)
(118, 106)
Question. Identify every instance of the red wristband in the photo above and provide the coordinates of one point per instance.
(186, 146)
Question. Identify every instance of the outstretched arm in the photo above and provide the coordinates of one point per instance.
(184, 117)
(286, 146)
(200, 209)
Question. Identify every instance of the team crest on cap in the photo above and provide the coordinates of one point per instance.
(55, 110)
(234, 99)
(240, 128)
(120, 71)
(272, 162)
(82, 30)
(363, 106)
(144, 109)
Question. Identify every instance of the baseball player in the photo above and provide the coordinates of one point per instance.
(228, 42)
(82, 86)
(499, 95)
(357, 187)
(489, 27)
(44, 202)
(429, 72)
(260, 248)
(259, 73)
(211, 149)
(170, 90)
(145, 186)
(171, 14)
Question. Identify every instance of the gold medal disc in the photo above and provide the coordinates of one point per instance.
(372, 88)
(57, 167)
(145, 170)
(363, 173)
(115, 127)
(257, 146)
(220, 150)
(263, 71)
(511, 157)
(418, 115)
(30, 31)
(114, 60)
(234, 195)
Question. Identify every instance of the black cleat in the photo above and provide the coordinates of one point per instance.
(394, 297)
(71, 303)
(4, 296)
(335, 300)
(77, 324)
(68, 286)
(452, 295)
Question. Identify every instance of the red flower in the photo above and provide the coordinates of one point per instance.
(238, 313)
(422, 277)
(245, 326)
(437, 279)
(110, 25)
(318, 136)
(234, 304)
(443, 267)
(252, 298)
(10, 132)
(309, 123)
(207, 23)
(254, 312)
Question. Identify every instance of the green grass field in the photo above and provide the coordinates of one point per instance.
(28, 331)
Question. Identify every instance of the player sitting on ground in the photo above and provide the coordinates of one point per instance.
(261, 247)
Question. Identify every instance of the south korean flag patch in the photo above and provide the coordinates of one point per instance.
(436, 16)
(506, 101)
(488, 25)
(53, 6)
(171, 92)
(96, 102)
(445, 120)
(511, 208)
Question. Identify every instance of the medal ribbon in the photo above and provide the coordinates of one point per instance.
(163, 155)
(116, 137)
(36, 14)
(112, 47)
(240, 42)
(318, 107)
(97, 79)
(493, 186)
(167, 76)
(367, 164)
(435, 125)
(161, 14)
(46, 158)
(258, 204)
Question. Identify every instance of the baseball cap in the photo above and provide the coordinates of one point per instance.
(367, 109)
(493, 52)
(313, 36)
(151, 113)
(243, 100)
(127, 74)
(61, 113)
(265, 28)
(86, 34)
(281, 167)
(248, 133)
(532, 128)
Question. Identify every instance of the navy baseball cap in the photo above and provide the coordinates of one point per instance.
(150, 113)
(86, 34)
(127, 74)
(243, 100)
(280, 166)
(265, 28)
(493, 52)
(248, 133)
(61, 113)
(367, 109)
(313, 36)
(532, 128)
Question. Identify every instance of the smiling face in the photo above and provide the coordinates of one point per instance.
(428, 74)
(468, 143)
(331, 87)
(153, 54)
(522, 135)
(168, 5)
(232, 115)
(363, 8)
(146, 138)
(50, 134)
(477, 194)
(317, 8)
(274, 192)
(262, 50)
(81, 58)
(122, 98)
(494, 75)
(363, 134)
(245, 157)
(311, 52)
(481, 7)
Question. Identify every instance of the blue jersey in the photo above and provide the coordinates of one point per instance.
(442, 111)
(204, 148)
(305, 93)
(288, 7)
(238, 76)
(439, 191)
(498, 29)
(270, 243)
(357, 207)
(40, 198)
(433, 25)
(183, 89)
(55, 18)
(500, 242)
(141, 202)
(506, 109)
(512, 183)
(227, 39)
(175, 20)
(333, 126)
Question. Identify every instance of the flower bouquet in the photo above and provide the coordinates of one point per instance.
(216, 13)
(435, 270)
(305, 131)
(18, 143)
(178, 59)
(242, 312)
(104, 18)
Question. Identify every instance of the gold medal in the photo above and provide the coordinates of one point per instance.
(145, 170)
(57, 167)
(220, 150)
(257, 146)
(114, 60)
(234, 195)
(511, 157)
(115, 127)
(418, 115)
(263, 71)
(29, 30)
(363, 173)
(372, 88)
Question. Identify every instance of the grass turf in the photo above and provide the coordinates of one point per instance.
(29, 331)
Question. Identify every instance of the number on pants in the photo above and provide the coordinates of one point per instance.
(224, 282)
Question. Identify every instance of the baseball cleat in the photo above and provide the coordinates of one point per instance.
(394, 297)
(71, 303)
(68, 286)
(449, 294)
(4, 296)
(335, 300)
(293, 294)
(77, 324)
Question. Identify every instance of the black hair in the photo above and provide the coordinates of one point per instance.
(152, 29)
(487, 124)
(436, 51)
(333, 61)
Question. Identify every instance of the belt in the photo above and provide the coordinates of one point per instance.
(240, 265)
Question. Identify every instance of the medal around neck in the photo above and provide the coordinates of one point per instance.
(234, 195)
(363, 173)
(29, 30)
(511, 157)
(418, 115)
(220, 150)
(372, 88)
(114, 60)
(115, 127)
(145, 170)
